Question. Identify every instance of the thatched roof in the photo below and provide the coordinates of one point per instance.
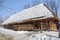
(34, 12)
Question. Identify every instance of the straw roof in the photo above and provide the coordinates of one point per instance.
(40, 10)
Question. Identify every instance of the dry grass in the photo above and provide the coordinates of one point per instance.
(5, 36)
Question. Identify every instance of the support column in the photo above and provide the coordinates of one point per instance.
(41, 27)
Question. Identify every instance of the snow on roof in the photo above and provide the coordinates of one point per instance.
(33, 12)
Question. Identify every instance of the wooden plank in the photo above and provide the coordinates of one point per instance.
(15, 27)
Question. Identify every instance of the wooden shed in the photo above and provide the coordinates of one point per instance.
(38, 17)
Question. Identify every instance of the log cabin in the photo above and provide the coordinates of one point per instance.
(38, 17)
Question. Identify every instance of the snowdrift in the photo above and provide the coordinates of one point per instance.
(6, 34)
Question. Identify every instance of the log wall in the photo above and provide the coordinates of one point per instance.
(23, 27)
(53, 25)
(37, 25)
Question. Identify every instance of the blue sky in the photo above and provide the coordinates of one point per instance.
(13, 6)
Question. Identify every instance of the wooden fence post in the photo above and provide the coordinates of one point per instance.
(59, 32)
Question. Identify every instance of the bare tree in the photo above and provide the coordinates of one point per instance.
(56, 9)
(26, 6)
(1, 19)
(35, 2)
(52, 5)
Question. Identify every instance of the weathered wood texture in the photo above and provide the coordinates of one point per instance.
(53, 25)
(23, 27)
(45, 24)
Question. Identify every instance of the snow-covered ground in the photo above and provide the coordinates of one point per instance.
(6, 34)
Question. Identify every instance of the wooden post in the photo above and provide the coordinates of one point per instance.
(47, 25)
(59, 32)
(59, 29)
(41, 26)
